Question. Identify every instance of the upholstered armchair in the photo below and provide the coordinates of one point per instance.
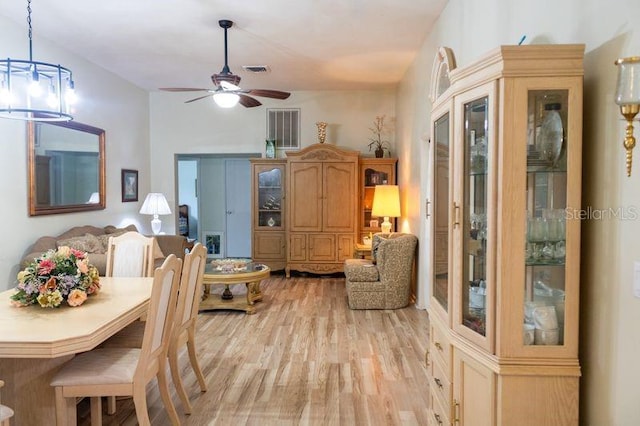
(384, 282)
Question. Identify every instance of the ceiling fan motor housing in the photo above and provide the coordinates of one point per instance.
(229, 78)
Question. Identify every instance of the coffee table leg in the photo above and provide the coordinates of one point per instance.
(254, 294)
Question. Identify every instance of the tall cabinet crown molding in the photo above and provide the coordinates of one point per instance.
(506, 146)
(322, 208)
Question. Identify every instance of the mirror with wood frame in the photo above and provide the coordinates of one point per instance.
(66, 164)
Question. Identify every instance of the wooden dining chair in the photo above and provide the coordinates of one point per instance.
(184, 329)
(125, 371)
(5, 412)
(130, 255)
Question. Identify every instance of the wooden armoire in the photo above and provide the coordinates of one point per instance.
(322, 208)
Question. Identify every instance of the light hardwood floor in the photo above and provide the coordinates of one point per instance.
(304, 358)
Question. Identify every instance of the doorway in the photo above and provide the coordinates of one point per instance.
(214, 193)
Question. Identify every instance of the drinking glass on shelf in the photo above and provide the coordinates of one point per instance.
(538, 229)
(556, 221)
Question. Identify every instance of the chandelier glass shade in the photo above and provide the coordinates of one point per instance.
(225, 99)
(35, 91)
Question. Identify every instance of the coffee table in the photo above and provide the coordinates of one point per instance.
(251, 276)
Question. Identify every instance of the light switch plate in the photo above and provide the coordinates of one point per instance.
(636, 278)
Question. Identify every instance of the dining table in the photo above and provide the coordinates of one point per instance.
(35, 342)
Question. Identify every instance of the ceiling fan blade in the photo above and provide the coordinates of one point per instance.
(276, 94)
(182, 89)
(197, 99)
(248, 101)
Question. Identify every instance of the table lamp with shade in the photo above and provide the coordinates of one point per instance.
(386, 203)
(94, 198)
(155, 204)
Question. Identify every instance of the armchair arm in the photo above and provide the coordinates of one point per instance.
(172, 244)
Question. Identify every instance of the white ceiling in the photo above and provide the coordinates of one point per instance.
(307, 44)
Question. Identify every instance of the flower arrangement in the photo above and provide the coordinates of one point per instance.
(56, 276)
(378, 144)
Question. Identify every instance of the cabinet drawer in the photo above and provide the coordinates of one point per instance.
(439, 412)
(440, 346)
(440, 382)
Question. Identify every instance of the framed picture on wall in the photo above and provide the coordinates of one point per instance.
(214, 242)
(129, 185)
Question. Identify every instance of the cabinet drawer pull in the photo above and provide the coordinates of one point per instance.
(456, 214)
(438, 346)
(456, 411)
(426, 358)
(438, 382)
(426, 207)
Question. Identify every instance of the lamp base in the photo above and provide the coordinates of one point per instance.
(156, 225)
(386, 226)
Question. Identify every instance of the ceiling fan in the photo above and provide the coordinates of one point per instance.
(227, 93)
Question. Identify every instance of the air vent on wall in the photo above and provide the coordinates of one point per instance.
(256, 68)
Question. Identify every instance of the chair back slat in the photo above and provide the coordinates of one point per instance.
(160, 315)
(130, 255)
(191, 285)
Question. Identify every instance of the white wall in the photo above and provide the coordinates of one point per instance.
(202, 127)
(106, 101)
(610, 336)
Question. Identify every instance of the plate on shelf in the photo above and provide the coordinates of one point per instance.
(551, 137)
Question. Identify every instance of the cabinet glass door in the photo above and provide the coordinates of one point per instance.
(372, 177)
(441, 212)
(474, 231)
(270, 198)
(545, 249)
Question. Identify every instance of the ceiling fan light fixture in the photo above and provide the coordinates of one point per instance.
(226, 100)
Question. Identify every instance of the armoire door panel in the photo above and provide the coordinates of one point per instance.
(298, 247)
(269, 245)
(339, 197)
(306, 197)
(346, 244)
(322, 247)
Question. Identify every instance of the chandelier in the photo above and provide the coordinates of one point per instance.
(35, 91)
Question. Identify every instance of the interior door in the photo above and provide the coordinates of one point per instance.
(238, 207)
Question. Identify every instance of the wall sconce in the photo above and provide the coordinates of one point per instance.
(628, 97)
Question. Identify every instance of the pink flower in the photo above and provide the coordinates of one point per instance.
(94, 288)
(82, 266)
(78, 254)
(46, 266)
(76, 297)
(18, 304)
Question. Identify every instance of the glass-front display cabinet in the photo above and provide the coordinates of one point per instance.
(373, 172)
(514, 239)
(268, 189)
(438, 215)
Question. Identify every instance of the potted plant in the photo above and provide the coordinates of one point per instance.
(378, 143)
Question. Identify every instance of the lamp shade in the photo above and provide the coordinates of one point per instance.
(628, 88)
(386, 201)
(226, 100)
(155, 204)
